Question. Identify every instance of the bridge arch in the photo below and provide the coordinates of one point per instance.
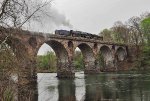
(106, 53)
(120, 54)
(60, 52)
(88, 55)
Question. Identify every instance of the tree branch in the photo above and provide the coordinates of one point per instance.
(46, 3)
(4, 4)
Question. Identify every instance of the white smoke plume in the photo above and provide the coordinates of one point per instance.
(59, 19)
(48, 19)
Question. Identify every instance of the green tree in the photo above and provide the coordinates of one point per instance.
(145, 58)
(101, 61)
(78, 60)
(47, 62)
(145, 25)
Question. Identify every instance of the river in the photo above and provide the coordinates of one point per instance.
(99, 87)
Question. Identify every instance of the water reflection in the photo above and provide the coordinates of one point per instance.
(102, 87)
(66, 90)
(93, 89)
(47, 87)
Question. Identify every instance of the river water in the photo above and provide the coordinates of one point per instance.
(99, 87)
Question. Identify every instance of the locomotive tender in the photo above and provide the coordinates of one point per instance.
(77, 34)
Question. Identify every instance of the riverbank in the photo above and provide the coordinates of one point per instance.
(120, 72)
(48, 71)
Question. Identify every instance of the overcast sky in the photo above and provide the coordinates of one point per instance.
(93, 15)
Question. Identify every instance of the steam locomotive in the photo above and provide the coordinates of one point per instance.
(77, 34)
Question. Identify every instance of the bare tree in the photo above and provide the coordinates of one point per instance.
(121, 32)
(16, 13)
(135, 29)
(107, 35)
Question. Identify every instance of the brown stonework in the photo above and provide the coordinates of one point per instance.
(26, 44)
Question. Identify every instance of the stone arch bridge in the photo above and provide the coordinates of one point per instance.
(25, 45)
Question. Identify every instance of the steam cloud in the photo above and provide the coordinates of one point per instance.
(59, 19)
(50, 20)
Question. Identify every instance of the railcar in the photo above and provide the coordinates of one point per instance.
(78, 34)
(62, 32)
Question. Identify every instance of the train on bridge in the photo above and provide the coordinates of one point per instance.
(78, 34)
